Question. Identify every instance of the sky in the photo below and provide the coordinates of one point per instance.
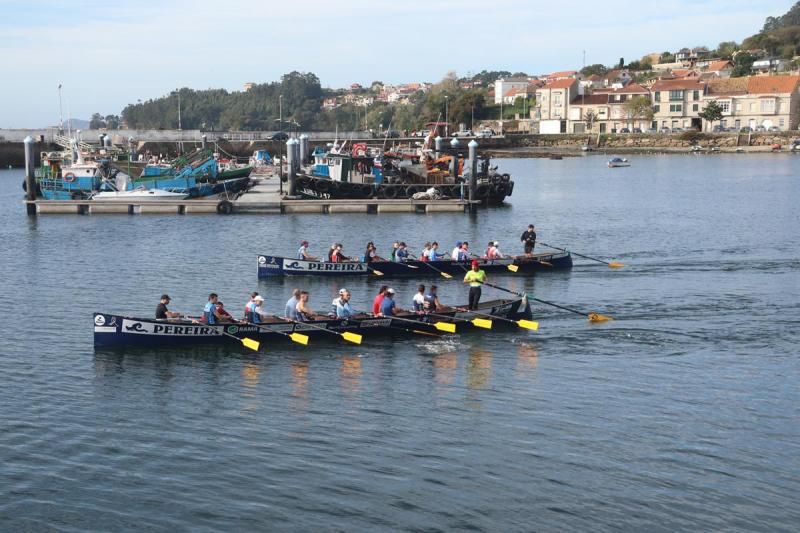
(115, 52)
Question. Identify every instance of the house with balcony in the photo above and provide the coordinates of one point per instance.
(756, 102)
(607, 110)
(677, 103)
(552, 103)
(770, 65)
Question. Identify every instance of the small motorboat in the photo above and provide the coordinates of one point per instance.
(618, 162)
(586, 148)
(139, 194)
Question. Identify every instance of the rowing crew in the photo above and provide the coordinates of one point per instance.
(297, 307)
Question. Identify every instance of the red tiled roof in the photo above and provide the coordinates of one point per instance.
(560, 84)
(563, 74)
(594, 77)
(590, 99)
(716, 66)
(772, 84)
(674, 85)
(727, 86)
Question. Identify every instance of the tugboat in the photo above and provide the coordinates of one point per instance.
(361, 172)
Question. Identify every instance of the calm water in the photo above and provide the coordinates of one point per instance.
(682, 414)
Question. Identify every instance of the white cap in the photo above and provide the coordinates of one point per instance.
(258, 298)
(342, 291)
(390, 290)
(496, 243)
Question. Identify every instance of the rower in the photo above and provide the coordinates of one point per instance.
(290, 311)
(210, 313)
(395, 245)
(337, 256)
(256, 310)
(433, 254)
(376, 303)
(401, 254)
(302, 253)
(247, 305)
(456, 252)
(340, 307)
(224, 316)
(388, 307)
(418, 301)
(493, 252)
(162, 312)
(463, 254)
(304, 313)
(432, 303)
(425, 253)
(475, 277)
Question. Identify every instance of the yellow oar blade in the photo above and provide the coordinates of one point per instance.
(595, 317)
(446, 275)
(377, 272)
(528, 324)
(299, 338)
(355, 338)
(512, 268)
(444, 326)
(482, 323)
(250, 343)
(615, 264)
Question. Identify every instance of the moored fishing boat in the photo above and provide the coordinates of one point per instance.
(270, 265)
(616, 162)
(117, 330)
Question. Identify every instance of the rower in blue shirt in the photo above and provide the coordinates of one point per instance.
(402, 253)
(340, 307)
(290, 311)
(255, 310)
(210, 313)
(387, 305)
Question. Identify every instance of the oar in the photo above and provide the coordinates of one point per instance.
(612, 264)
(527, 324)
(444, 274)
(355, 338)
(477, 322)
(247, 342)
(299, 338)
(374, 270)
(513, 267)
(593, 317)
(441, 326)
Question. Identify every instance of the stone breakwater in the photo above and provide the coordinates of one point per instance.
(654, 141)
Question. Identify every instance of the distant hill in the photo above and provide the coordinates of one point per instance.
(780, 36)
(75, 124)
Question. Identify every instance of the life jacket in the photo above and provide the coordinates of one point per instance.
(208, 313)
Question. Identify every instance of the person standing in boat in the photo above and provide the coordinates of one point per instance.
(162, 313)
(418, 301)
(290, 311)
(211, 314)
(528, 239)
(302, 253)
(475, 277)
(304, 313)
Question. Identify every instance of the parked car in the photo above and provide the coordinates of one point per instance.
(746, 129)
(637, 130)
(761, 128)
(463, 133)
(280, 136)
(774, 128)
(485, 132)
(624, 130)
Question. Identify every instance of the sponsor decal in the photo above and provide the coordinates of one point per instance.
(99, 320)
(313, 266)
(262, 260)
(105, 329)
(379, 323)
(268, 262)
(233, 330)
(149, 328)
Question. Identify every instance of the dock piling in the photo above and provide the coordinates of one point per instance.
(291, 163)
(30, 175)
(473, 177)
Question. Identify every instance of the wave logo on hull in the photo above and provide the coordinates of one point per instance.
(136, 327)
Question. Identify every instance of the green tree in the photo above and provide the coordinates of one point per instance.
(96, 122)
(743, 63)
(589, 118)
(726, 49)
(711, 113)
(638, 107)
(667, 57)
(596, 68)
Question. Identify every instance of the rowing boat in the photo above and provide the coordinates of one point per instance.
(272, 265)
(117, 330)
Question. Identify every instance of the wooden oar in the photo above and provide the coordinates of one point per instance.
(441, 326)
(477, 322)
(612, 264)
(593, 317)
(527, 324)
(444, 274)
(355, 338)
(374, 270)
(299, 338)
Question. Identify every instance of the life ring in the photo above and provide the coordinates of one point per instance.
(322, 185)
(506, 178)
(224, 207)
(389, 192)
(411, 191)
(69, 177)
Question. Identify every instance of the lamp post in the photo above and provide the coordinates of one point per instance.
(60, 112)
(446, 117)
(179, 110)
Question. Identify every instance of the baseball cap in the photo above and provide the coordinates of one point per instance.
(258, 298)
(342, 291)
(390, 290)
(475, 263)
(165, 297)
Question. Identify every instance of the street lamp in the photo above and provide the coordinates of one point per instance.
(446, 118)
(60, 112)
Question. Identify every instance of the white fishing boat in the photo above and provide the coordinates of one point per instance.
(138, 195)
(618, 162)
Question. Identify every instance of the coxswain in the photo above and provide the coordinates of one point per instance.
(475, 277)
(418, 301)
(302, 253)
(290, 311)
(210, 313)
(162, 313)
(304, 313)
(376, 303)
(340, 307)
(528, 239)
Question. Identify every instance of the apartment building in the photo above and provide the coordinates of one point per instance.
(552, 103)
(677, 103)
(757, 102)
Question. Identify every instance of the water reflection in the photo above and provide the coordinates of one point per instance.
(299, 398)
(479, 369)
(527, 359)
(350, 374)
(445, 365)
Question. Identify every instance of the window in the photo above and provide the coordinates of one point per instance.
(695, 107)
(658, 96)
(676, 96)
(738, 106)
(781, 122)
(657, 108)
(675, 108)
(768, 105)
(696, 95)
(725, 105)
(752, 107)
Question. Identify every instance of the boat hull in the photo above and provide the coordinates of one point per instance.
(270, 266)
(112, 330)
